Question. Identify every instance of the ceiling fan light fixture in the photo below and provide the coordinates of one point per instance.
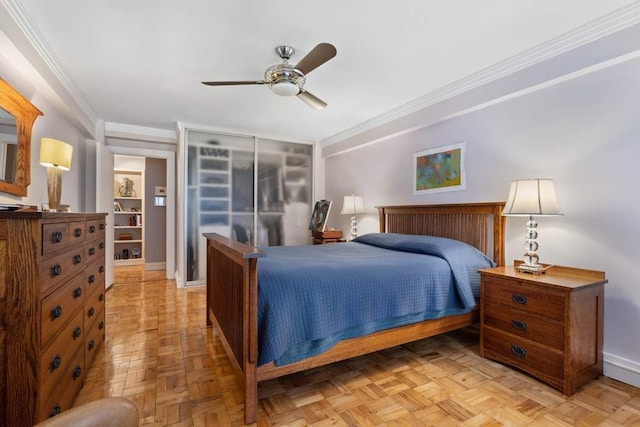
(284, 80)
(285, 89)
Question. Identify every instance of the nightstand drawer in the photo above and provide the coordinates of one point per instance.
(522, 324)
(522, 296)
(524, 354)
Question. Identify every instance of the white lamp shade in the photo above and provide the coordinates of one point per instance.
(352, 205)
(55, 153)
(529, 197)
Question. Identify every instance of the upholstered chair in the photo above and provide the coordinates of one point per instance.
(107, 412)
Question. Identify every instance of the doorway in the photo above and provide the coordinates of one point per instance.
(168, 157)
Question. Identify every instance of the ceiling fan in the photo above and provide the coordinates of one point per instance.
(288, 80)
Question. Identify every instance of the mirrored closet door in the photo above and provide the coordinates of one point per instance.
(267, 205)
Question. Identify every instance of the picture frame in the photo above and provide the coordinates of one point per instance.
(117, 207)
(319, 216)
(440, 169)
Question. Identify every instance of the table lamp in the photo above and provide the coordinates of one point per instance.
(529, 197)
(56, 156)
(352, 205)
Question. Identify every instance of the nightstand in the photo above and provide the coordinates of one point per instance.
(548, 325)
(327, 236)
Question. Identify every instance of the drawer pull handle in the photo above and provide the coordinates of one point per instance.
(101, 297)
(91, 312)
(56, 312)
(101, 245)
(519, 351)
(101, 326)
(519, 299)
(77, 232)
(77, 293)
(77, 371)
(56, 270)
(56, 362)
(91, 345)
(77, 332)
(92, 251)
(101, 269)
(92, 229)
(55, 410)
(92, 278)
(518, 324)
(56, 236)
(101, 226)
(77, 259)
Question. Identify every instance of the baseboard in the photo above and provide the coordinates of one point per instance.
(155, 266)
(621, 369)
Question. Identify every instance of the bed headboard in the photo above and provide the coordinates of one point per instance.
(478, 224)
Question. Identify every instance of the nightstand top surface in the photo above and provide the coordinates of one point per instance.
(556, 275)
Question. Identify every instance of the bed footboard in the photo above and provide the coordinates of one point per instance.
(232, 308)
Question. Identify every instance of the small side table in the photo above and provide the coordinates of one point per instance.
(549, 325)
(327, 236)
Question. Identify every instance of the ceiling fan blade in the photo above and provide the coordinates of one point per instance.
(311, 100)
(318, 56)
(236, 83)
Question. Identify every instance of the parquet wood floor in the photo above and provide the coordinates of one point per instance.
(160, 354)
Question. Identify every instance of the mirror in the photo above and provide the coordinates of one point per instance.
(8, 147)
(17, 115)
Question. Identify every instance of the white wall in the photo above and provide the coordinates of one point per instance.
(53, 125)
(585, 134)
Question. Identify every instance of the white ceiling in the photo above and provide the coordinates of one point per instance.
(141, 62)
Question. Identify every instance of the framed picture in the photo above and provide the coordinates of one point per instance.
(117, 207)
(439, 169)
(320, 215)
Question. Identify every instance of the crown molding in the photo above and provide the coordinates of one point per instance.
(141, 133)
(24, 23)
(584, 34)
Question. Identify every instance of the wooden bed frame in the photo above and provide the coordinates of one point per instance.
(232, 290)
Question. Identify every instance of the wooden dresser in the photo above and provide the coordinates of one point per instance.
(52, 296)
(549, 325)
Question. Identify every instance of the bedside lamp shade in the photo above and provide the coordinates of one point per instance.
(529, 197)
(353, 205)
(532, 197)
(56, 156)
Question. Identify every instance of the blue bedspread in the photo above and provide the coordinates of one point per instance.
(310, 297)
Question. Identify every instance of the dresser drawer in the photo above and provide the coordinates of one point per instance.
(93, 308)
(76, 232)
(58, 307)
(94, 277)
(55, 360)
(525, 325)
(95, 249)
(95, 228)
(55, 236)
(57, 269)
(522, 296)
(524, 354)
(94, 338)
(59, 396)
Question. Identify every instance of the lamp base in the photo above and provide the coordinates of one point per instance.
(54, 188)
(533, 269)
(354, 228)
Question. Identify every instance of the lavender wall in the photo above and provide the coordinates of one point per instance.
(584, 133)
